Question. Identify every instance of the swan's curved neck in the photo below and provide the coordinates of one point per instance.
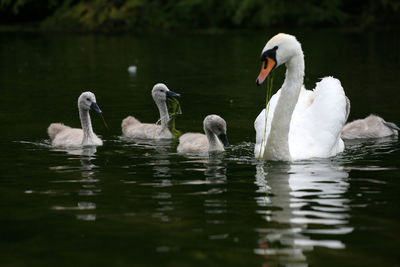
(164, 116)
(277, 146)
(214, 144)
(88, 134)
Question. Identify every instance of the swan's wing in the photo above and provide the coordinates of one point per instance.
(318, 120)
(56, 128)
(193, 143)
(144, 131)
(68, 138)
(259, 125)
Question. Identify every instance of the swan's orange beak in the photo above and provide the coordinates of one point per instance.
(267, 66)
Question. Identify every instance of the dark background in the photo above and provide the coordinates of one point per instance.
(135, 15)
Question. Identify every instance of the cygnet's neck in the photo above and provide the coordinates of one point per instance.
(164, 116)
(277, 147)
(88, 134)
(213, 142)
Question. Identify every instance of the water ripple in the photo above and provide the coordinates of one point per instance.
(302, 195)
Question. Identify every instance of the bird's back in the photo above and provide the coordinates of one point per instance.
(133, 128)
(68, 138)
(371, 127)
(55, 128)
(193, 143)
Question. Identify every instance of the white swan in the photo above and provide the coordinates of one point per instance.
(371, 127)
(66, 137)
(214, 140)
(301, 124)
(133, 128)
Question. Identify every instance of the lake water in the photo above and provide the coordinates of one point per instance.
(141, 204)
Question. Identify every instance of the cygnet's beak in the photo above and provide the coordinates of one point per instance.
(95, 107)
(267, 65)
(224, 139)
(171, 94)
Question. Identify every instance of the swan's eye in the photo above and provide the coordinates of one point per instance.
(88, 99)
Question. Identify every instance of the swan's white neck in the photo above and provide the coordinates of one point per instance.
(164, 116)
(214, 144)
(88, 134)
(277, 146)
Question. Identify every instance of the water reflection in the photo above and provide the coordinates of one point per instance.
(305, 206)
(160, 146)
(361, 149)
(215, 171)
(84, 210)
(215, 206)
(202, 178)
(161, 172)
(88, 151)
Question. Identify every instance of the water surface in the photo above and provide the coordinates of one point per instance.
(140, 203)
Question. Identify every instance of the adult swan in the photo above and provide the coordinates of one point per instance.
(301, 124)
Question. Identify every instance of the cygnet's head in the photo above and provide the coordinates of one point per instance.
(161, 92)
(87, 101)
(278, 50)
(217, 125)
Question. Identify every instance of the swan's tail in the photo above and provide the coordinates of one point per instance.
(55, 128)
(128, 121)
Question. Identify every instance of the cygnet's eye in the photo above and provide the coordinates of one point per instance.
(88, 99)
(162, 90)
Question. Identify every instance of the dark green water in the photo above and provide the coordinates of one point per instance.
(141, 204)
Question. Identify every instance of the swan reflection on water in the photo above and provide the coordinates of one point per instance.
(84, 209)
(161, 146)
(301, 200)
(203, 179)
(215, 171)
